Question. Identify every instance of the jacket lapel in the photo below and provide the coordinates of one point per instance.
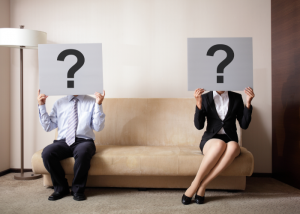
(230, 105)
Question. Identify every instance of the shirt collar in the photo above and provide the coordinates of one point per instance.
(225, 94)
(79, 97)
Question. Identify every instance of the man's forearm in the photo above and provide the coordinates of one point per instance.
(45, 119)
(98, 118)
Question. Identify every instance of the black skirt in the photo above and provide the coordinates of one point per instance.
(223, 137)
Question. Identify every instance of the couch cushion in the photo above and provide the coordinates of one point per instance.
(149, 160)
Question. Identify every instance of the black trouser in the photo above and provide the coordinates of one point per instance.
(82, 150)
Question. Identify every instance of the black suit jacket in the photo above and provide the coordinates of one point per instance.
(236, 110)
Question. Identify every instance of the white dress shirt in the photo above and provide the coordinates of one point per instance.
(90, 117)
(221, 103)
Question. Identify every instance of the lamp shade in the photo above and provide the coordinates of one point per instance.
(16, 37)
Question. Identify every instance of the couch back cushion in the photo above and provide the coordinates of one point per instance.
(150, 122)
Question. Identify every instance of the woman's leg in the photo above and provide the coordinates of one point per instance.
(213, 150)
(231, 152)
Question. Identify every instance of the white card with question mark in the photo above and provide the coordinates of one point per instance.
(70, 69)
(220, 64)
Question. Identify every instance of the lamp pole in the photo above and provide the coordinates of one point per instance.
(21, 107)
(22, 175)
(29, 39)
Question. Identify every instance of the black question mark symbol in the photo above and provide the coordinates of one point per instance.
(74, 68)
(225, 62)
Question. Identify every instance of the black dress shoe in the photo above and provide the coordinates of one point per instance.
(78, 196)
(186, 200)
(58, 195)
(199, 199)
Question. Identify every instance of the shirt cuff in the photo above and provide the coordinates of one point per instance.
(199, 110)
(98, 108)
(248, 109)
(42, 108)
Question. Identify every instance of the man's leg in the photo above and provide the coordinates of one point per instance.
(83, 151)
(52, 155)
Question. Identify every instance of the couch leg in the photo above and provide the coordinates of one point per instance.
(142, 189)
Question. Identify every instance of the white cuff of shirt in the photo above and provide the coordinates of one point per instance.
(98, 108)
(42, 108)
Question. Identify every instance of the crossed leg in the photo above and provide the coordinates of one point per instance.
(231, 152)
(213, 150)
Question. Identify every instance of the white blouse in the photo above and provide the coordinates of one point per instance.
(221, 103)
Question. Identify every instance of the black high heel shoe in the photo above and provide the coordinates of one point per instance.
(199, 199)
(186, 200)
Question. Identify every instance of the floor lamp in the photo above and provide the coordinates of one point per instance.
(22, 39)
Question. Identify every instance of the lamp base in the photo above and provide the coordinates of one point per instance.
(27, 176)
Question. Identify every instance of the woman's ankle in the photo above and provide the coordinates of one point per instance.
(201, 191)
(191, 190)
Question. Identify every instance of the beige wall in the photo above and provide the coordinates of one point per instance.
(4, 88)
(144, 54)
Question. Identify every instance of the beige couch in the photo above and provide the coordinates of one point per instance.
(150, 143)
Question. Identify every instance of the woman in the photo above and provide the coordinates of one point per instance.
(219, 144)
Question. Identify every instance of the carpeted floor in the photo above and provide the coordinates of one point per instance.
(263, 195)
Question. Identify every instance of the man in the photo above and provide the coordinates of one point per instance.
(75, 116)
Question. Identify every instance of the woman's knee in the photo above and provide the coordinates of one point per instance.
(220, 145)
(214, 145)
(233, 148)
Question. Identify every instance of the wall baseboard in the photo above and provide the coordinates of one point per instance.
(262, 175)
(13, 170)
(4, 172)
